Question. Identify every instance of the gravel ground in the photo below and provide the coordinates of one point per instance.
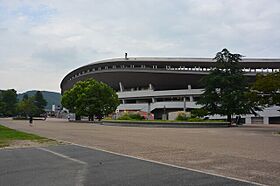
(248, 152)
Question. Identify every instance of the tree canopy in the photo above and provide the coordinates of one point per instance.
(32, 106)
(266, 89)
(226, 88)
(8, 101)
(39, 102)
(27, 107)
(90, 98)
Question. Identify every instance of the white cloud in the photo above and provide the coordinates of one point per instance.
(42, 40)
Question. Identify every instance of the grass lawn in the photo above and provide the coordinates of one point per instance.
(8, 135)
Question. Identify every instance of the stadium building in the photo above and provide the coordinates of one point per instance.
(162, 85)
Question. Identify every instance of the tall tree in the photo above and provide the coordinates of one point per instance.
(226, 89)
(27, 107)
(39, 102)
(8, 99)
(2, 105)
(91, 98)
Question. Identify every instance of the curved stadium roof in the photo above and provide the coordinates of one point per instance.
(163, 73)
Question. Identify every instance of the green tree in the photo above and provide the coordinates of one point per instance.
(226, 89)
(27, 107)
(198, 113)
(1, 105)
(266, 89)
(90, 98)
(8, 101)
(39, 102)
(25, 97)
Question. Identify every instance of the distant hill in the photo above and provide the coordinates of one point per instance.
(53, 98)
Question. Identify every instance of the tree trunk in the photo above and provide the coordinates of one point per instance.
(90, 118)
(78, 118)
(99, 117)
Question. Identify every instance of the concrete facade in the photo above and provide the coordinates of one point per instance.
(170, 84)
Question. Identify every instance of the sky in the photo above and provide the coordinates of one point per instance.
(43, 40)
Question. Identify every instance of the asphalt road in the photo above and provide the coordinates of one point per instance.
(74, 165)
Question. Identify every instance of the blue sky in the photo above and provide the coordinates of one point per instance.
(41, 41)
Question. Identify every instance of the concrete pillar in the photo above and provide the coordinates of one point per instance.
(164, 115)
(191, 98)
(123, 101)
(184, 104)
(121, 86)
(151, 87)
(153, 100)
(248, 120)
(149, 111)
(266, 120)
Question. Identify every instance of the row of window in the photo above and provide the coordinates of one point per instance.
(168, 99)
(180, 68)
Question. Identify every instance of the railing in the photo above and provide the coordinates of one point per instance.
(166, 68)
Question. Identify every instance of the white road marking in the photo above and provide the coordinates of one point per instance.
(166, 164)
(81, 173)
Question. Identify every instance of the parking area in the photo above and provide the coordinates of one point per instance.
(68, 165)
(248, 152)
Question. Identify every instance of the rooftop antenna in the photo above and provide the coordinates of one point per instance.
(125, 56)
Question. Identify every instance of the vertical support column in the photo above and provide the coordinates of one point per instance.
(149, 110)
(184, 104)
(248, 120)
(265, 120)
(164, 115)
(151, 87)
(191, 97)
(121, 86)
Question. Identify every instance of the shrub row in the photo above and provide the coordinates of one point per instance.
(131, 116)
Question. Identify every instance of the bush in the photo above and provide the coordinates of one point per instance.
(182, 117)
(131, 116)
(196, 120)
(124, 117)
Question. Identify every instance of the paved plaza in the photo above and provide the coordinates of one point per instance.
(249, 152)
(67, 165)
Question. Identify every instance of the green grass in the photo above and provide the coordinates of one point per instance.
(8, 135)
